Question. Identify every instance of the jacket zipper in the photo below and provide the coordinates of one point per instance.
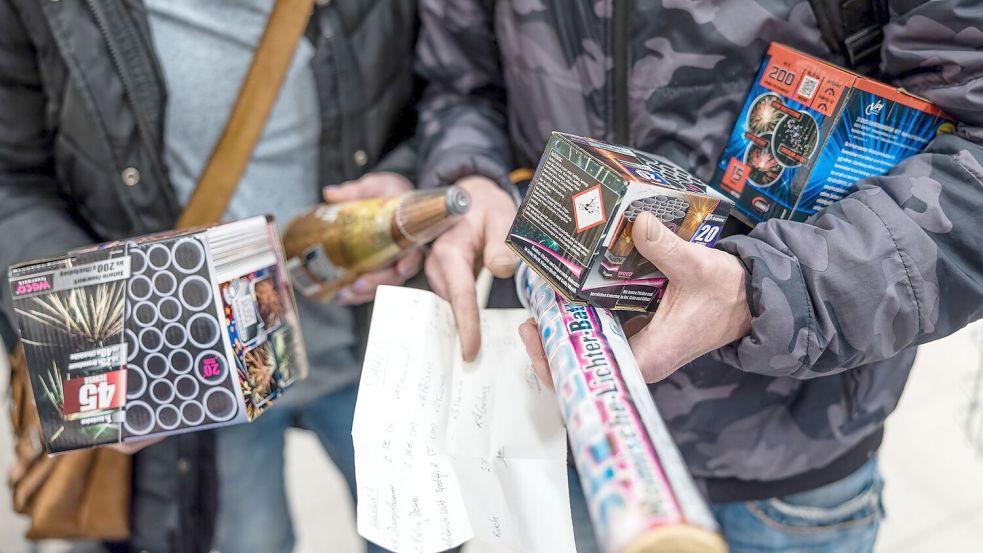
(143, 127)
(620, 30)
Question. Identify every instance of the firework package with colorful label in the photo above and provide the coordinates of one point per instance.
(157, 335)
(639, 493)
(810, 130)
(574, 226)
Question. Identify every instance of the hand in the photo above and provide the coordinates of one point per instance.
(130, 448)
(704, 308)
(457, 255)
(374, 185)
(531, 339)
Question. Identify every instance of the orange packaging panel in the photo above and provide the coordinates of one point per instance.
(805, 79)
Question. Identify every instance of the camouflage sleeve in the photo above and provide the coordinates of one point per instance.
(462, 126)
(899, 262)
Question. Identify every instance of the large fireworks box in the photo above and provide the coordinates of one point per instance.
(810, 130)
(157, 335)
(574, 226)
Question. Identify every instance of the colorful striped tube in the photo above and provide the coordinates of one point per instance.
(639, 492)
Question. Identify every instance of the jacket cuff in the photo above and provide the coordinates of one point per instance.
(783, 327)
(447, 169)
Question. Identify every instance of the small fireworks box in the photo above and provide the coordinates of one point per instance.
(810, 130)
(157, 335)
(574, 226)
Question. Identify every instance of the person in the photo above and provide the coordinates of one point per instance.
(812, 326)
(108, 113)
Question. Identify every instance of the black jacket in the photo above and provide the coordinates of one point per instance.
(82, 105)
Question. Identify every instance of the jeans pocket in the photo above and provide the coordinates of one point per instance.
(816, 511)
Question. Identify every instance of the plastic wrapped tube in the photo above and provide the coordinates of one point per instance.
(639, 492)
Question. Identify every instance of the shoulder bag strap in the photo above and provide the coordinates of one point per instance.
(252, 108)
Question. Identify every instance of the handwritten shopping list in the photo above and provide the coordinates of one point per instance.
(448, 451)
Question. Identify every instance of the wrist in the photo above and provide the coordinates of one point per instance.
(480, 186)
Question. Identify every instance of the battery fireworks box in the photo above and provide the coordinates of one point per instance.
(157, 335)
(574, 226)
(809, 130)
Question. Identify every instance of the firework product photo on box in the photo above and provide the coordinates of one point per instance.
(157, 335)
(574, 226)
(809, 130)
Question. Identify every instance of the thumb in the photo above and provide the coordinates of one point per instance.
(669, 253)
(498, 256)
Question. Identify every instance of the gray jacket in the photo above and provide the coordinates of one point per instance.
(838, 303)
(81, 114)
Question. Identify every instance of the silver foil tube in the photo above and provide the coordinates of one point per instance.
(639, 492)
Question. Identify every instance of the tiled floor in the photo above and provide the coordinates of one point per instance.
(934, 472)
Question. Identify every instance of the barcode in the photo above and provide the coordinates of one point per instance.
(808, 86)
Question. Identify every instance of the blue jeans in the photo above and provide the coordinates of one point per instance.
(841, 517)
(253, 512)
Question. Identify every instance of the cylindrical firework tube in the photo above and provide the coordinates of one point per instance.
(330, 246)
(639, 492)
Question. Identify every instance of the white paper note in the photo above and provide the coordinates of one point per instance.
(447, 451)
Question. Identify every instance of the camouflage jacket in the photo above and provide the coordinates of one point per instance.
(840, 302)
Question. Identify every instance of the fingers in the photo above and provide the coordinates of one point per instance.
(363, 290)
(492, 211)
(410, 264)
(130, 448)
(499, 258)
(371, 185)
(464, 302)
(669, 253)
(529, 333)
(450, 270)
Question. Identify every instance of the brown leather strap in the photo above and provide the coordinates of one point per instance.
(259, 90)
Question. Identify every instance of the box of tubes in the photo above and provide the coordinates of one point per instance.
(162, 334)
(574, 226)
(809, 130)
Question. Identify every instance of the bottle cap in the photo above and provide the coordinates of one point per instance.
(457, 201)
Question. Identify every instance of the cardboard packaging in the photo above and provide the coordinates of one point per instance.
(809, 130)
(162, 334)
(574, 226)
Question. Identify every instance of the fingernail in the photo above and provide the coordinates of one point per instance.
(345, 295)
(405, 270)
(653, 229)
(502, 261)
(329, 188)
(361, 286)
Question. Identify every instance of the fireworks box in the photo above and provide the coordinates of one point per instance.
(809, 130)
(157, 335)
(574, 226)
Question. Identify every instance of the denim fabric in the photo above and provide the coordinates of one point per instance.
(842, 517)
(253, 510)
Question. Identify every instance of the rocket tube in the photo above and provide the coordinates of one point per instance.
(640, 495)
